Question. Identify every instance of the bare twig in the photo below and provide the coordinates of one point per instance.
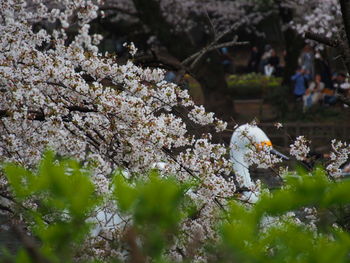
(211, 23)
(168, 153)
(212, 46)
(185, 65)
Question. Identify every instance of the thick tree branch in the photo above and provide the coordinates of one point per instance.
(341, 45)
(119, 9)
(155, 58)
(40, 115)
(80, 108)
(322, 39)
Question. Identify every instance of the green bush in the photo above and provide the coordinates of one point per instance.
(65, 198)
(155, 206)
(251, 86)
(263, 232)
(244, 238)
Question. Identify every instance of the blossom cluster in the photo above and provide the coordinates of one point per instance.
(316, 16)
(262, 157)
(258, 147)
(339, 155)
(300, 148)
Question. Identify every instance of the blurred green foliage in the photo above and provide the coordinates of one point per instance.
(263, 232)
(64, 196)
(285, 240)
(155, 206)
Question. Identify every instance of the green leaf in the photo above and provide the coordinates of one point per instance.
(124, 193)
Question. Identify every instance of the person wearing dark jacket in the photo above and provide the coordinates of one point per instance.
(254, 61)
(272, 64)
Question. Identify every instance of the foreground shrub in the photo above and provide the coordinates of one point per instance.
(302, 222)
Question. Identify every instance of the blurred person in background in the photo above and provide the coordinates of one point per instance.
(314, 93)
(274, 62)
(322, 68)
(254, 60)
(307, 60)
(300, 79)
(265, 58)
(341, 84)
(227, 60)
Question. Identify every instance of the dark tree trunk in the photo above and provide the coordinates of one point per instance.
(293, 43)
(345, 10)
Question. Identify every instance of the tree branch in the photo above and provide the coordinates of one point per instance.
(168, 153)
(194, 58)
(173, 64)
(342, 45)
(212, 46)
(119, 9)
(37, 115)
(80, 108)
(156, 58)
(322, 39)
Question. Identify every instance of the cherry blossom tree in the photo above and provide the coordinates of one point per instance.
(62, 94)
(318, 17)
(58, 92)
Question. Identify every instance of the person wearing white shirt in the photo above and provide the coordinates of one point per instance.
(313, 93)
